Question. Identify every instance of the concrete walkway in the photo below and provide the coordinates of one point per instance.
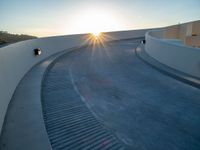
(102, 97)
(139, 106)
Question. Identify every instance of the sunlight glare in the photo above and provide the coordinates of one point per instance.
(96, 33)
(94, 21)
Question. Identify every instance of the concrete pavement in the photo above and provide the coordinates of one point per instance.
(137, 105)
(102, 97)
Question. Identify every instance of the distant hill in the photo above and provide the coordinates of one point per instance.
(6, 38)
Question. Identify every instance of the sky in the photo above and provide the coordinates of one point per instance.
(61, 17)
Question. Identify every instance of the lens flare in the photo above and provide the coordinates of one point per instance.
(96, 34)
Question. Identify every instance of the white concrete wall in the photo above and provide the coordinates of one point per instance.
(181, 57)
(17, 59)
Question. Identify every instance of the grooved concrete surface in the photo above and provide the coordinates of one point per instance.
(107, 98)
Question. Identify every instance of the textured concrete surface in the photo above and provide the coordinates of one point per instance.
(18, 58)
(141, 107)
(102, 98)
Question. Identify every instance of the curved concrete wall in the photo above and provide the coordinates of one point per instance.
(17, 59)
(172, 53)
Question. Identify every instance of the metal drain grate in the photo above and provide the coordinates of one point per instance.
(69, 122)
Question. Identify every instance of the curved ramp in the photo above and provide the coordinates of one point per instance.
(107, 98)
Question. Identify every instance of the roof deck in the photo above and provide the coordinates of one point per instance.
(103, 97)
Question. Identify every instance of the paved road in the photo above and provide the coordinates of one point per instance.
(133, 105)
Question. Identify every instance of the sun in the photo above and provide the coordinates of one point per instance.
(94, 21)
(96, 35)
